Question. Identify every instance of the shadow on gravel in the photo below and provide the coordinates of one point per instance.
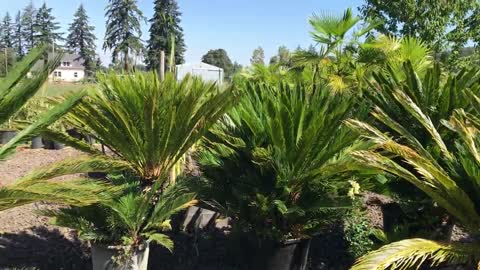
(43, 249)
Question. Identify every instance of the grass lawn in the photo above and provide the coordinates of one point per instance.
(56, 88)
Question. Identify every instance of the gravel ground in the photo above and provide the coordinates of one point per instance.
(26, 238)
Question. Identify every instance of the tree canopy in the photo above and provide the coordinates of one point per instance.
(123, 30)
(165, 34)
(219, 58)
(440, 25)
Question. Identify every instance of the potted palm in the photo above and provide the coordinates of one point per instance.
(276, 164)
(147, 125)
(121, 230)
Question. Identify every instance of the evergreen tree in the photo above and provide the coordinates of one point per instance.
(258, 57)
(123, 30)
(165, 23)
(7, 31)
(81, 39)
(28, 29)
(18, 39)
(46, 27)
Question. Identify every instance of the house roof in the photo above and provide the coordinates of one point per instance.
(75, 60)
(200, 65)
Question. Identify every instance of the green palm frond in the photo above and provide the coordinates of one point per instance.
(42, 123)
(83, 164)
(330, 28)
(78, 192)
(411, 253)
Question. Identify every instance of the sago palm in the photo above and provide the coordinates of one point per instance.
(147, 124)
(441, 158)
(276, 162)
(129, 220)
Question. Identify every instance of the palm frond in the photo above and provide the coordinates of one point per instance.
(413, 253)
(78, 192)
(83, 164)
(44, 121)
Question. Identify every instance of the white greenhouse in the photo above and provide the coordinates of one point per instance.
(205, 71)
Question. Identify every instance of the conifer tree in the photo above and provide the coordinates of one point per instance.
(17, 36)
(165, 24)
(7, 31)
(258, 57)
(81, 39)
(123, 30)
(28, 29)
(46, 27)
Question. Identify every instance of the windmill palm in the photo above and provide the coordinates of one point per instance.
(276, 162)
(438, 157)
(334, 62)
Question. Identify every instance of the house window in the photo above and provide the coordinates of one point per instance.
(57, 74)
(66, 64)
(75, 74)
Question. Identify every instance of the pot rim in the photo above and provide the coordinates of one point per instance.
(141, 247)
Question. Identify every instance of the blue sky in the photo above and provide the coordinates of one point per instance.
(238, 26)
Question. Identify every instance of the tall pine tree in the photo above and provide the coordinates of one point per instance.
(81, 39)
(46, 27)
(165, 22)
(28, 29)
(7, 31)
(17, 36)
(123, 30)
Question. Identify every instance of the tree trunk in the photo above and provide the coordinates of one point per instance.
(125, 60)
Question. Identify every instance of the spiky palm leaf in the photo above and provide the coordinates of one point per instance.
(276, 163)
(16, 89)
(444, 165)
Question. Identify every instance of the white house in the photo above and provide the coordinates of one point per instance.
(205, 71)
(71, 69)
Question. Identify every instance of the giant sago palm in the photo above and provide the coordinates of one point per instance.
(439, 157)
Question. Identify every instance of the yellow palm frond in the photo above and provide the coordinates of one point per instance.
(412, 253)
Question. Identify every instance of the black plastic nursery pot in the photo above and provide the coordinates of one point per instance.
(7, 135)
(52, 145)
(37, 142)
(289, 255)
(102, 258)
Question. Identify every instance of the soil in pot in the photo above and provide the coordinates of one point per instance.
(7, 135)
(37, 142)
(102, 259)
